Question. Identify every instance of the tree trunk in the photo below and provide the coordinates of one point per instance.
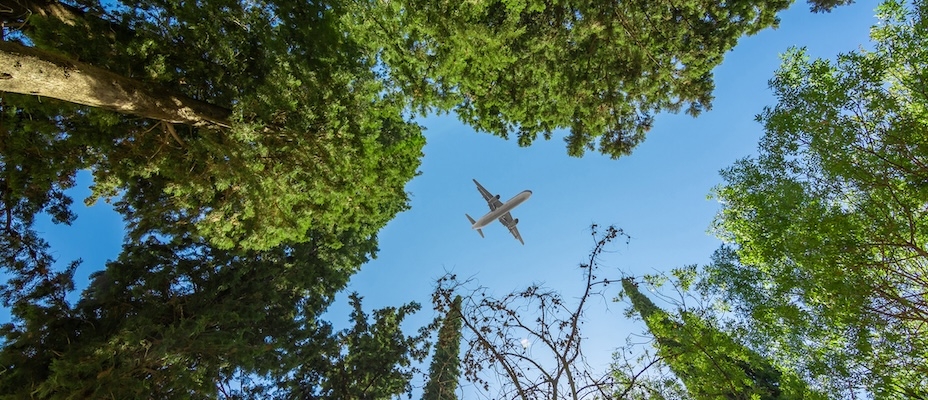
(27, 70)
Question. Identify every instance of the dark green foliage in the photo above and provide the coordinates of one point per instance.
(372, 360)
(827, 226)
(602, 69)
(827, 5)
(239, 236)
(444, 371)
(315, 141)
(241, 230)
(708, 361)
(176, 319)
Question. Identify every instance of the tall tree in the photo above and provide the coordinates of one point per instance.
(252, 123)
(371, 360)
(445, 369)
(255, 154)
(708, 361)
(600, 68)
(828, 224)
(178, 319)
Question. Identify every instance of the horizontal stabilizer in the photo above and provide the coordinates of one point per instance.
(472, 222)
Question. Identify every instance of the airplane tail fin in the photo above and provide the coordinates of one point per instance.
(474, 222)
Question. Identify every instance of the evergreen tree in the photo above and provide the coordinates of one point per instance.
(250, 124)
(445, 368)
(708, 361)
(178, 319)
(599, 68)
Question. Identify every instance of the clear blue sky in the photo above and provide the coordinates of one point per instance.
(658, 195)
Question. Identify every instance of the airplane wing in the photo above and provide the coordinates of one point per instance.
(492, 200)
(510, 223)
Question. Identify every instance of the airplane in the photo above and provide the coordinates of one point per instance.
(500, 211)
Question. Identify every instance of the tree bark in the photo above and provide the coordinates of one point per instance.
(27, 70)
(20, 10)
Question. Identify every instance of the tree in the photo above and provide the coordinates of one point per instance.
(368, 361)
(530, 339)
(257, 123)
(178, 319)
(444, 370)
(276, 118)
(827, 259)
(602, 69)
(708, 361)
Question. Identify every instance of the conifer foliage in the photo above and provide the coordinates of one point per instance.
(255, 149)
(445, 369)
(708, 361)
(601, 69)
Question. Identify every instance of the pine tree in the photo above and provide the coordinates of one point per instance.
(176, 318)
(445, 368)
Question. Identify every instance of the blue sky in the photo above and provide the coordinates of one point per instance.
(658, 195)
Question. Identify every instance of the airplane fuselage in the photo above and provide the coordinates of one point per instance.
(502, 210)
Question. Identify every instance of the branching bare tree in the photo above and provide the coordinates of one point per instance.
(530, 340)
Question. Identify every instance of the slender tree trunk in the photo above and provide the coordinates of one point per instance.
(27, 70)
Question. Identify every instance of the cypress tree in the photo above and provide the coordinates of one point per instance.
(445, 367)
(710, 362)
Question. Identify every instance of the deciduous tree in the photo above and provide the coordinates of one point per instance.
(530, 340)
(827, 225)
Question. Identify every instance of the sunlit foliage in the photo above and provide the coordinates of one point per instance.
(828, 224)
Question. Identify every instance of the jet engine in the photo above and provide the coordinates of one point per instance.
(497, 197)
(515, 222)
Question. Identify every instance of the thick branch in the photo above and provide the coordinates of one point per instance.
(27, 70)
(20, 10)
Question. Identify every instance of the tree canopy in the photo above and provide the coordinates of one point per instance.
(173, 318)
(306, 136)
(254, 154)
(255, 149)
(827, 225)
(599, 68)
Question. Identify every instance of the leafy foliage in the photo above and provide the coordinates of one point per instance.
(314, 141)
(241, 230)
(828, 224)
(602, 69)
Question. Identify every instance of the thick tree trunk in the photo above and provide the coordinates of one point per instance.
(28, 70)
